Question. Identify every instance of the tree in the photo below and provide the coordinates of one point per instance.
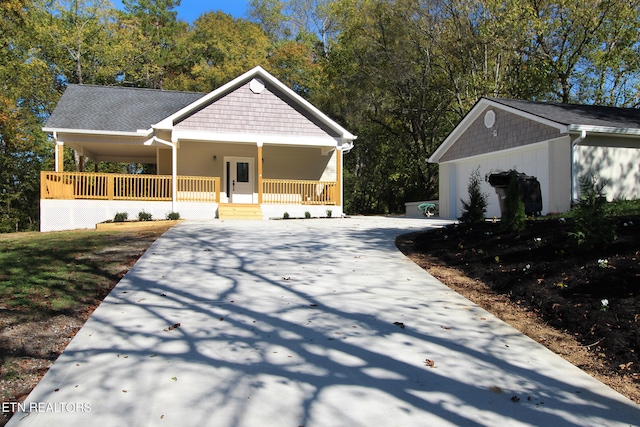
(474, 210)
(569, 50)
(27, 93)
(75, 39)
(156, 31)
(219, 48)
(513, 217)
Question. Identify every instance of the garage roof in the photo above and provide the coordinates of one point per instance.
(576, 115)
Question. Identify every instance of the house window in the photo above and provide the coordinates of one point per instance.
(242, 174)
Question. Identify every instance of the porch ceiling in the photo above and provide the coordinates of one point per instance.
(107, 148)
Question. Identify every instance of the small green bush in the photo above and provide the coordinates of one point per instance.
(286, 215)
(120, 217)
(173, 216)
(144, 216)
(329, 213)
(513, 217)
(592, 216)
(307, 214)
(475, 210)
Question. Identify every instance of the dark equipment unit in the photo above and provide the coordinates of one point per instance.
(528, 188)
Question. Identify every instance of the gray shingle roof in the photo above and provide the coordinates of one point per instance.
(572, 114)
(113, 108)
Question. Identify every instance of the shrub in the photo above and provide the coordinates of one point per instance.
(144, 216)
(286, 215)
(329, 213)
(173, 216)
(475, 209)
(120, 217)
(513, 217)
(592, 216)
(307, 214)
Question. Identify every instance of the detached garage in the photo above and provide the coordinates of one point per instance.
(557, 143)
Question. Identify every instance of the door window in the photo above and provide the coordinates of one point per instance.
(242, 170)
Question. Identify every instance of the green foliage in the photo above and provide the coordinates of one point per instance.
(592, 216)
(144, 216)
(307, 214)
(173, 216)
(120, 217)
(285, 215)
(513, 217)
(475, 209)
(329, 213)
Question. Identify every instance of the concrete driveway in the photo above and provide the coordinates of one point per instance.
(305, 323)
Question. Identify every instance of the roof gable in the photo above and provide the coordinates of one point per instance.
(267, 112)
(508, 131)
(528, 122)
(114, 108)
(274, 87)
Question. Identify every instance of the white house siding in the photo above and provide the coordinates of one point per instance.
(619, 166)
(533, 160)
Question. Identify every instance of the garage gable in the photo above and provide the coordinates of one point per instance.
(495, 129)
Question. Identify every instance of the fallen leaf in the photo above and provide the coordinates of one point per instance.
(495, 389)
(124, 391)
(399, 324)
(170, 328)
(174, 378)
(430, 363)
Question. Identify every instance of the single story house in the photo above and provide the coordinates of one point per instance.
(251, 148)
(556, 143)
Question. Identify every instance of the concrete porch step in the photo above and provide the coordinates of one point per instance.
(239, 211)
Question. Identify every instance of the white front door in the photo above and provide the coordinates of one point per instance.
(240, 179)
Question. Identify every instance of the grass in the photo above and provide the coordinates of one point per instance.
(43, 274)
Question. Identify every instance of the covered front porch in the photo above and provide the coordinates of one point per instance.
(82, 199)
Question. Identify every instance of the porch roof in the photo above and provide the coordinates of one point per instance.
(113, 109)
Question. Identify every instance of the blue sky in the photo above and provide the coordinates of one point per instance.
(190, 10)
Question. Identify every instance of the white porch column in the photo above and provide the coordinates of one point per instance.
(259, 160)
(58, 153)
(174, 167)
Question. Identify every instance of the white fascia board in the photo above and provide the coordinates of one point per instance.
(605, 130)
(96, 132)
(194, 135)
(167, 124)
(474, 113)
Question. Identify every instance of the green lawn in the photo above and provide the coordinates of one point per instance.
(43, 274)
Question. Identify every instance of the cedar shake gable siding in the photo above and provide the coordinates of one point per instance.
(266, 113)
(511, 131)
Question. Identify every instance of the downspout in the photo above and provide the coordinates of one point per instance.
(574, 166)
(345, 147)
(174, 168)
